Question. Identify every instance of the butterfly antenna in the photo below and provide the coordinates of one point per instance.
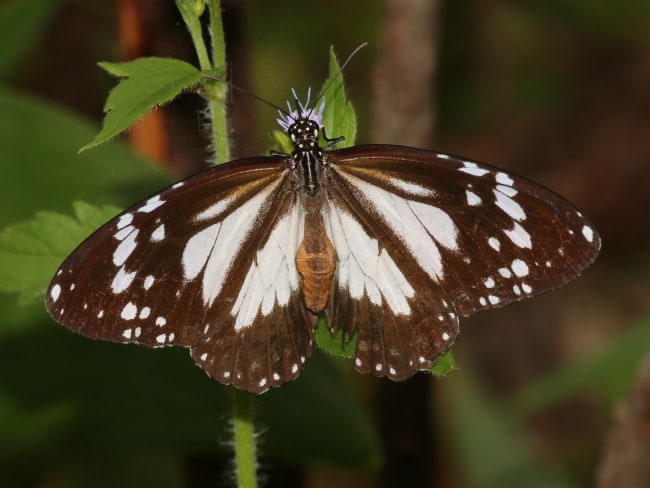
(246, 92)
(349, 58)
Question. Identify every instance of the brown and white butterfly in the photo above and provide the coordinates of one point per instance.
(391, 242)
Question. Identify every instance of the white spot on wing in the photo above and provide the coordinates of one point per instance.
(472, 169)
(519, 236)
(213, 210)
(412, 188)
(125, 248)
(507, 190)
(55, 292)
(504, 179)
(148, 282)
(472, 198)
(129, 311)
(158, 234)
(122, 233)
(509, 206)
(124, 220)
(588, 232)
(494, 243)
(161, 321)
(152, 204)
(122, 280)
(519, 267)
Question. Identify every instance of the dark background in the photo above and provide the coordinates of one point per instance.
(550, 392)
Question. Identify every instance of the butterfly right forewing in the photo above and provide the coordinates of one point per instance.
(207, 263)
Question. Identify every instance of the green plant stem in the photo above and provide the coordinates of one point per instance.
(216, 92)
(243, 426)
(191, 10)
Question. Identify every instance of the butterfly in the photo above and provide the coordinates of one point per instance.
(393, 244)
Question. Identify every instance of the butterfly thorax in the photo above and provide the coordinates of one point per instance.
(308, 155)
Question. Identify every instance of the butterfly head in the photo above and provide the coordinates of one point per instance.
(302, 122)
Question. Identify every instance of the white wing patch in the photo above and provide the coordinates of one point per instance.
(212, 250)
(422, 228)
(362, 267)
(272, 276)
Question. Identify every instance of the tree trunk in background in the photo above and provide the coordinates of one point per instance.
(404, 109)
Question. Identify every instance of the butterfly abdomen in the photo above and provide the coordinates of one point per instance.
(316, 262)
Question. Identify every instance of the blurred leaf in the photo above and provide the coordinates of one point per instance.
(318, 419)
(22, 24)
(41, 168)
(147, 83)
(609, 373)
(128, 398)
(31, 252)
(488, 446)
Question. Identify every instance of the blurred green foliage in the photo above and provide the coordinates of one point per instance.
(74, 412)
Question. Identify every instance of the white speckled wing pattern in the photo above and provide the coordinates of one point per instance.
(420, 238)
(424, 238)
(209, 264)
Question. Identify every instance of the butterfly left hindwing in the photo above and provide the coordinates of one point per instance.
(423, 237)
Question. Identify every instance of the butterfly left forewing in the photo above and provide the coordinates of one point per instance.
(461, 236)
(203, 264)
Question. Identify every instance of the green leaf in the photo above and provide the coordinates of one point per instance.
(487, 442)
(334, 345)
(40, 167)
(148, 82)
(318, 419)
(609, 373)
(339, 117)
(31, 252)
(127, 399)
(444, 364)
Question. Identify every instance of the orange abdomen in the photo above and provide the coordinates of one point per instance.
(316, 263)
